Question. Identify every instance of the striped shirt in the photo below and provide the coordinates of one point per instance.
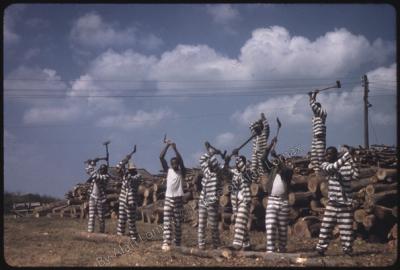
(100, 180)
(209, 182)
(129, 188)
(241, 186)
(259, 146)
(318, 121)
(339, 179)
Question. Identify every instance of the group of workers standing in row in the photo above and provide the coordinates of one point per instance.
(339, 171)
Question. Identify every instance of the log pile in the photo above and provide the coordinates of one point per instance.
(374, 196)
(25, 209)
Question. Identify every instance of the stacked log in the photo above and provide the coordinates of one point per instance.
(374, 197)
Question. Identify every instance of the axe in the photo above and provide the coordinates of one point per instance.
(167, 140)
(277, 132)
(128, 157)
(107, 154)
(251, 137)
(208, 145)
(337, 85)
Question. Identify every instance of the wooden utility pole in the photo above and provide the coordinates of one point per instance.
(366, 106)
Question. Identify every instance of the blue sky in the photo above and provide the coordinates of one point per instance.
(78, 75)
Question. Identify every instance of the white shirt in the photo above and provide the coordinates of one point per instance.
(278, 188)
(95, 191)
(174, 184)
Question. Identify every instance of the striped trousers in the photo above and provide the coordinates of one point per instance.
(127, 212)
(318, 146)
(241, 236)
(208, 213)
(96, 206)
(276, 223)
(343, 216)
(173, 214)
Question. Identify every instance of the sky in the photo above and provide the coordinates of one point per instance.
(78, 75)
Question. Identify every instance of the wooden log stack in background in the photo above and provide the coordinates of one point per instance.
(374, 196)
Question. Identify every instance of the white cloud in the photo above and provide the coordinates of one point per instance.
(222, 13)
(269, 53)
(40, 115)
(34, 78)
(91, 31)
(294, 109)
(225, 139)
(151, 42)
(287, 108)
(273, 53)
(139, 119)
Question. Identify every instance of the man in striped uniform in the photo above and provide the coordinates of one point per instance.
(277, 211)
(318, 144)
(91, 166)
(209, 198)
(173, 205)
(240, 199)
(259, 145)
(338, 210)
(127, 201)
(98, 181)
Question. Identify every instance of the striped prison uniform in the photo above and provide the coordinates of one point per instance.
(318, 143)
(128, 205)
(339, 207)
(208, 201)
(173, 208)
(241, 199)
(97, 199)
(259, 146)
(277, 211)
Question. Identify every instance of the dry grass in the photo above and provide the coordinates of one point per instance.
(51, 242)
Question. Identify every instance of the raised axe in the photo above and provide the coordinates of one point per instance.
(128, 157)
(95, 160)
(208, 145)
(168, 141)
(337, 85)
(107, 154)
(277, 132)
(249, 139)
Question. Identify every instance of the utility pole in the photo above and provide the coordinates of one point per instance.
(366, 106)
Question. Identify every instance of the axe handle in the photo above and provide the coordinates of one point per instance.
(108, 165)
(249, 139)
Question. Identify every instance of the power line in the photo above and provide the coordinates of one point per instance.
(262, 91)
(174, 81)
(210, 88)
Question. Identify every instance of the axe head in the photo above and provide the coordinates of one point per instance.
(338, 84)
(106, 143)
(279, 122)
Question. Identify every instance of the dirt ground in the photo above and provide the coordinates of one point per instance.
(51, 242)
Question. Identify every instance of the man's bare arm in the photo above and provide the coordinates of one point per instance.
(162, 158)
